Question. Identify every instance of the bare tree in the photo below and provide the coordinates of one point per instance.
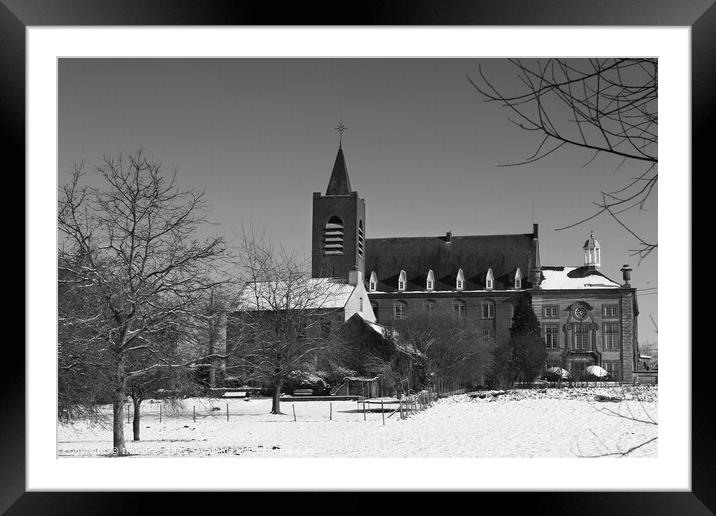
(603, 106)
(451, 348)
(131, 245)
(632, 407)
(276, 326)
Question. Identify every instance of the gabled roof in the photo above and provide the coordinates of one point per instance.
(339, 183)
(474, 254)
(302, 294)
(557, 278)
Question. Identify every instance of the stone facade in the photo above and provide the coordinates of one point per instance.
(605, 347)
(492, 311)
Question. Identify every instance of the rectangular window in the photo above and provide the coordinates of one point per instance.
(488, 311)
(488, 332)
(611, 335)
(399, 311)
(372, 286)
(459, 310)
(549, 312)
(613, 369)
(581, 337)
(610, 311)
(401, 285)
(551, 335)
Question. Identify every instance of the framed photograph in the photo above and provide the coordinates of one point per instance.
(417, 250)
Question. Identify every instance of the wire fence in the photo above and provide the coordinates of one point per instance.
(236, 410)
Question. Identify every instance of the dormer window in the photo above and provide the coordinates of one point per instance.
(401, 281)
(373, 282)
(460, 281)
(518, 279)
(430, 282)
(489, 280)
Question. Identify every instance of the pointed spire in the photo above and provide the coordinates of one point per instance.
(339, 183)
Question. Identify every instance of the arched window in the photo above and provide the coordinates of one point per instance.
(430, 282)
(460, 282)
(373, 282)
(489, 280)
(488, 309)
(361, 242)
(460, 308)
(401, 281)
(400, 310)
(333, 236)
(518, 279)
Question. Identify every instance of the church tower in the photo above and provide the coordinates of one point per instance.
(338, 240)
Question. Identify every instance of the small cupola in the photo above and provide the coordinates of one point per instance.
(592, 252)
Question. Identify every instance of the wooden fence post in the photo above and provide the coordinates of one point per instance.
(227, 412)
(293, 406)
(382, 411)
(194, 413)
(330, 408)
(160, 411)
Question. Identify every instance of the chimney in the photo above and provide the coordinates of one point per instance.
(535, 230)
(626, 274)
(448, 236)
(354, 276)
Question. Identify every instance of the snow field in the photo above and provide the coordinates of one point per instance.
(547, 423)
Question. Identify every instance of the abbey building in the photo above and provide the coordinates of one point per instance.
(586, 317)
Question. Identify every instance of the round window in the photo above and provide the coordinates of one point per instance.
(580, 312)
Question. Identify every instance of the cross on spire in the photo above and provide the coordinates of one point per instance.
(340, 128)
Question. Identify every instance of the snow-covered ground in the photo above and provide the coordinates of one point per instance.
(521, 423)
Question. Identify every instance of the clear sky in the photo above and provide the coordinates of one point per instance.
(422, 148)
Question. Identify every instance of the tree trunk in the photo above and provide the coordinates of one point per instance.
(135, 422)
(120, 449)
(276, 403)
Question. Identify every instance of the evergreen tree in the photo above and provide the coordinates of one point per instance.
(528, 347)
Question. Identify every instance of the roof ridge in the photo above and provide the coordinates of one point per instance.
(453, 236)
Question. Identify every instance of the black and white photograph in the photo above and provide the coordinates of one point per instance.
(278, 257)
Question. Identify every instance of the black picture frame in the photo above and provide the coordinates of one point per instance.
(16, 15)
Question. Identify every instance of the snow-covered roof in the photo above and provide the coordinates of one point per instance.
(383, 331)
(302, 294)
(386, 333)
(559, 278)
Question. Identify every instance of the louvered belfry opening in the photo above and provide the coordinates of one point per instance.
(361, 244)
(333, 236)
